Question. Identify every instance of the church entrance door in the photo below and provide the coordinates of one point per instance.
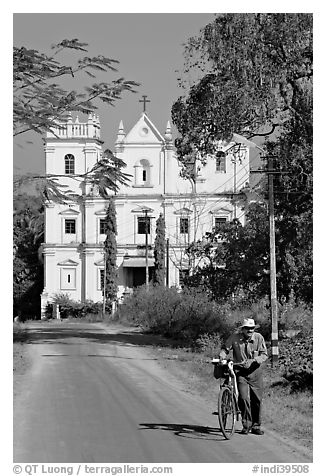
(139, 276)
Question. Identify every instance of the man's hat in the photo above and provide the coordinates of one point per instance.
(248, 322)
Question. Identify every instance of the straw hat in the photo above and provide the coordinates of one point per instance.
(248, 322)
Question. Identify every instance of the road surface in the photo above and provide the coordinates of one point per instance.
(95, 394)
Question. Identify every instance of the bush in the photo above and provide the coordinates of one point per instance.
(73, 309)
(185, 315)
(190, 314)
(296, 360)
(19, 332)
(234, 311)
(295, 316)
(152, 309)
(209, 344)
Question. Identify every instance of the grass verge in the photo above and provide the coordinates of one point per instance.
(21, 360)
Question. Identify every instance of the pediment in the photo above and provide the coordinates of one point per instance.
(100, 262)
(144, 131)
(142, 209)
(69, 212)
(221, 210)
(68, 262)
(183, 211)
(102, 212)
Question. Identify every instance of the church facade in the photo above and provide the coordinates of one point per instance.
(74, 233)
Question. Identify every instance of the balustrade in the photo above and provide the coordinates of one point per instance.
(90, 129)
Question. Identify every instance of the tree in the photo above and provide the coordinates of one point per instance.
(233, 259)
(159, 252)
(40, 103)
(110, 253)
(294, 203)
(253, 68)
(256, 80)
(27, 264)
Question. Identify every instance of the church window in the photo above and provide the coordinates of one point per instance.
(69, 164)
(143, 223)
(221, 164)
(143, 177)
(183, 275)
(70, 227)
(184, 226)
(145, 171)
(102, 226)
(67, 278)
(219, 222)
(102, 279)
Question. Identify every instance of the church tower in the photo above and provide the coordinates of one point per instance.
(71, 151)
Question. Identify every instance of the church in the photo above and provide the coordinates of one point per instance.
(74, 232)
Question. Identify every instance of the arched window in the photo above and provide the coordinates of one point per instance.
(69, 164)
(143, 173)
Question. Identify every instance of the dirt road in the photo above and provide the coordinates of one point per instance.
(95, 394)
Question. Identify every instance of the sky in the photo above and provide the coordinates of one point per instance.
(148, 46)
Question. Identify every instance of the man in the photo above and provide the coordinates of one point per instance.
(249, 350)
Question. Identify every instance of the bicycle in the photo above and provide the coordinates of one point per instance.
(228, 408)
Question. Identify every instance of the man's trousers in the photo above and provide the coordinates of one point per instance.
(250, 388)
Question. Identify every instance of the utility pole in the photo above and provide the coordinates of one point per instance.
(272, 256)
(235, 186)
(272, 266)
(167, 261)
(273, 291)
(104, 283)
(146, 248)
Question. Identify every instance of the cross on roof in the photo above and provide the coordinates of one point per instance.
(144, 101)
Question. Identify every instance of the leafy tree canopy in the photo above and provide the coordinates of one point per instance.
(28, 235)
(253, 69)
(40, 101)
(255, 78)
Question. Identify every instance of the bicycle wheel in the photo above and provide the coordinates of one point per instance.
(226, 412)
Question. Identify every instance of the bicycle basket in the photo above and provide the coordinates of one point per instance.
(220, 371)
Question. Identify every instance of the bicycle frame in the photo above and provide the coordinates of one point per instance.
(231, 381)
(233, 376)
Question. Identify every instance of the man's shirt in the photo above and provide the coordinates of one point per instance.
(254, 348)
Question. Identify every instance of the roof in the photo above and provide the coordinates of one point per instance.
(139, 262)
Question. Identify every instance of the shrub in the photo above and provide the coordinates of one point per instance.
(184, 316)
(73, 309)
(295, 316)
(19, 332)
(233, 312)
(152, 309)
(209, 344)
(296, 360)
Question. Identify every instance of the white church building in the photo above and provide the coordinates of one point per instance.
(74, 233)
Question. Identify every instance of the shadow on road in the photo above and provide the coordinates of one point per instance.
(67, 333)
(93, 355)
(186, 431)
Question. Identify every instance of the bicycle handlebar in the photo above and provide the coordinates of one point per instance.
(226, 362)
